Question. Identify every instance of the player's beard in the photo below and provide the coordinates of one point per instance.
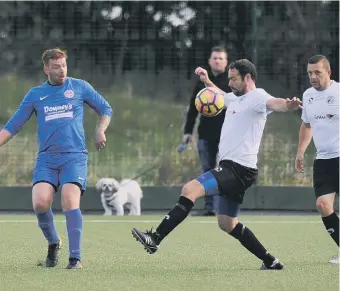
(57, 80)
(237, 92)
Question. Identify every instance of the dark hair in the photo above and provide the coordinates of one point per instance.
(53, 54)
(219, 49)
(244, 67)
(319, 58)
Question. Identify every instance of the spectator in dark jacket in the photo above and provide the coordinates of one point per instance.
(209, 128)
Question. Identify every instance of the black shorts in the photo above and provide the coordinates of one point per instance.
(82, 191)
(326, 176)
(234, 179)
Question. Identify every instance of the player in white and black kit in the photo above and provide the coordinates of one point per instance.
(320, 120)
(247, 110)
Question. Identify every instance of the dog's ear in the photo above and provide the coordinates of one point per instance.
(99, 184)
(115, 184)
(124, 182)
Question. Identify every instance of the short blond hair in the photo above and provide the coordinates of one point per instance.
(53, 54)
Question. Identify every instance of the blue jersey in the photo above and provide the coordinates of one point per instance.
(60, 114)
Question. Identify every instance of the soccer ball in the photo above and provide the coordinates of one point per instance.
(209, 101)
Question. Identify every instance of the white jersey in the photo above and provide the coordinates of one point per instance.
(243, 127)
(321, 110)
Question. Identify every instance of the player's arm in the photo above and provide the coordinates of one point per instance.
(103, 123)
(103, 109)
(17, 121)
(5, 136)
(204, 77)
(100, 138)
(228, 97)
(305, 137)
(283, 105)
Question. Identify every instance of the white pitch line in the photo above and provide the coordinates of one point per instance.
(157, 221)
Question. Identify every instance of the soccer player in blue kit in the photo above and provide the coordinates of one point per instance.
(62, 158)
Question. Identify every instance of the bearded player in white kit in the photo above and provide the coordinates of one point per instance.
(320, 121)
(247, 110)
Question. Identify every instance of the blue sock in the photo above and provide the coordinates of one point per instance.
(46, 224)
(74, 224)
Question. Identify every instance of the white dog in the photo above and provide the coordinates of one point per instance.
(116, 195)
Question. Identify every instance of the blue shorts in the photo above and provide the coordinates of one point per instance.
(225, 206)
(60, 168)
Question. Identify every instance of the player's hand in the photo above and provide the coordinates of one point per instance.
(293, 104)
(299, 163)
(100, 139)
(187, 138)
(202, 73)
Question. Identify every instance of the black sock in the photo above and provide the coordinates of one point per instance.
(251, 243)
(174, 218)
(331, 223)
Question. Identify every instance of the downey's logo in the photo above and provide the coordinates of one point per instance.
(65, 107)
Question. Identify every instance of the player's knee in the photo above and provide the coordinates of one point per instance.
(41, 204)
(70, 196)
(227, 225)
(192, 190)
(324, 206)
(187, 191)
(42, 197)
(70, 201)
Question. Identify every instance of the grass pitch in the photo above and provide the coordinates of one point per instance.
(196, 256)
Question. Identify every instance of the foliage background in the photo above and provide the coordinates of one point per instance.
(141, 57)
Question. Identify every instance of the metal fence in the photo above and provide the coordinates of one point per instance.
(141, 56)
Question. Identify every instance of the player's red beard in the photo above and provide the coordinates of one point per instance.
(58, 80)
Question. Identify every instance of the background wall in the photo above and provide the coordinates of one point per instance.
(163, 199)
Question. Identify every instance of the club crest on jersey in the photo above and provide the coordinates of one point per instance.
(310, 100)
(69, 93)
(330, 99)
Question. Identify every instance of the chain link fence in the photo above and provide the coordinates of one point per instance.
(141, 57)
